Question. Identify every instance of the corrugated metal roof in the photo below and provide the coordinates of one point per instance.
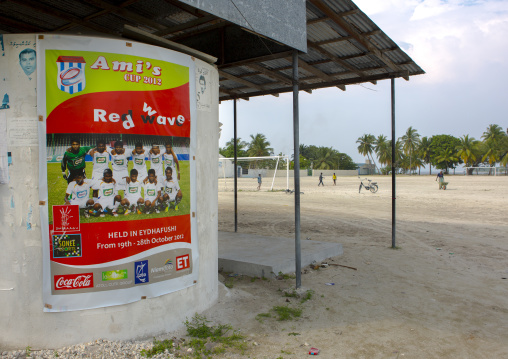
(344, 45)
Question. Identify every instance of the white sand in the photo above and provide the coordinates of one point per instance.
(442, 294)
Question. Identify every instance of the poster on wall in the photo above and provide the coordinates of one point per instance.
(116, 143)
(18, 79)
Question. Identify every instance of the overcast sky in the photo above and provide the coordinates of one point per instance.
(462, 45)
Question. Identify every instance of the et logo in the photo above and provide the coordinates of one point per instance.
(182, 262)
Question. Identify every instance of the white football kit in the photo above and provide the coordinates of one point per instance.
(133, 191)
(100, 163)
(150, 191)
(156, 164)
(107, 193)
(171, 188)
(139, 164)
(79, 194)
(120, 164)
(169, 161)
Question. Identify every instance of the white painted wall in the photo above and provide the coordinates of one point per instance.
(22, 320)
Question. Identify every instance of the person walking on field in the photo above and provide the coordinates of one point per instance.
(321, 180)
(334, 177)
(259, 181)
(440, 177)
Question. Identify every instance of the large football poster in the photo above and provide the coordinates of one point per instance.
(116, 171)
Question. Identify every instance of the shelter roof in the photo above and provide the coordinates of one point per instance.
(344, 46)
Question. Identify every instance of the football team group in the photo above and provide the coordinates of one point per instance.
(144, 191)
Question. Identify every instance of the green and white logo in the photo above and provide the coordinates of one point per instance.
(114, 274)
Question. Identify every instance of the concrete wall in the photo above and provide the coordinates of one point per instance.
(228, 171)
(22, 320)
(338, 173)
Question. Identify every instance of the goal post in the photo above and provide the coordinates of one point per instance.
(486, 171)
(248, 169)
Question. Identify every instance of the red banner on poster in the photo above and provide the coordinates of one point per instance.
(110, 241)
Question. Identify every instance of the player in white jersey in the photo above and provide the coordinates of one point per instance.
(152, 192)
(100, 156)
(107, 193)
(170, 160)
(132, 195)
(171, 191)
(156, 162)
(78, 192)
(138, 161)
(120, 163)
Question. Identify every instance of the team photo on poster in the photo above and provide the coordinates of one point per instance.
(135, 177)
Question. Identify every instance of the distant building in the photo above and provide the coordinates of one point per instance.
(366, 168)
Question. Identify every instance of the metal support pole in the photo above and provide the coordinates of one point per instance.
(393, 165)
(296, 137)
(236, 169)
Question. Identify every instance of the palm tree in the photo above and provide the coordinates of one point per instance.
(258, 147)
(326, 159)
(383, 150)
(410, 142)
(466, 149)
(239, 143)
(492, 154)
(366, 147)
(494, 139)
(446, 156)
(228, 150)
(504, 152)
(425, 151)
(494, 134)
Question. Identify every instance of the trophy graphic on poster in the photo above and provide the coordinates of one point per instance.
(71, 74)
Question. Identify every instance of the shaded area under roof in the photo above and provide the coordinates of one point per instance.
(344, 46)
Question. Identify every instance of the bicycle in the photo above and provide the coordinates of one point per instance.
(371, 186)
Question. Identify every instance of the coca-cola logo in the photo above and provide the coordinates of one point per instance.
(74, 281)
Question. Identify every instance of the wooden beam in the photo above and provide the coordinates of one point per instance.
(321, 19)
(276, 56)
(354, 33)
(245, 82)
(273, 74)
(317, 20)
(332, 41)
(320, 85)
(240, 80)
(334, 58)
(313, 70)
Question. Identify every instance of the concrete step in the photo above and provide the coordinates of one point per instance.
(260, 256)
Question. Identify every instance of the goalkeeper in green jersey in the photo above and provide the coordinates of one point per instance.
(74, 161)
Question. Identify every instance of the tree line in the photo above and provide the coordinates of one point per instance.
(323, 158)
(441, 151)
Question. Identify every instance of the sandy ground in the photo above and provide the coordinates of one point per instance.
(442, 294)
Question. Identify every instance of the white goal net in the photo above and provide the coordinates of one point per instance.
(486, 171)
(274, 171)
